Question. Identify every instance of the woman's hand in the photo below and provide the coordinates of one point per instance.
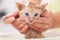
(14, 19)
(46, 22)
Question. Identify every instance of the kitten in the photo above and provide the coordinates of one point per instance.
(36, 2)
(31, 14)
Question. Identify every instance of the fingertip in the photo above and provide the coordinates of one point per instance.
(12, 19)
(24, 30)
(4, 18)
(9, 20)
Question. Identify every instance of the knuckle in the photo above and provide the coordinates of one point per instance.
(5, 22)
(4, 17)
(14, 25)
(18, 22)
(22, 32)
(20, 26)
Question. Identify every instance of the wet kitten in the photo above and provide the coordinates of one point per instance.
(31, 13)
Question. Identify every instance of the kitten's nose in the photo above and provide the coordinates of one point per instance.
(30, 21)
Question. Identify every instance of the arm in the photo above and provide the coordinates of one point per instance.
(48, 20)
(14, 19)
(56, 18)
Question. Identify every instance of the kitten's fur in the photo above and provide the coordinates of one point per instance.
(31, 9)
(33, 1)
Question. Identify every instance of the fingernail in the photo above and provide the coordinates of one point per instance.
(12, 19)
(26, 26)
(3, 18)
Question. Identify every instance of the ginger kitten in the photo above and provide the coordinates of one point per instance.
(31, 13)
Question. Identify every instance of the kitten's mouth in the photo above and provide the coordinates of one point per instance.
(30, 21)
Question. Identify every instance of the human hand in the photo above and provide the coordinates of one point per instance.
(46, 22)
(14, 19)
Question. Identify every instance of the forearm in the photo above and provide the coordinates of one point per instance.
(56, 20)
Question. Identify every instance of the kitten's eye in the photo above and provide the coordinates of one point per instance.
(36, 14)
(27, 14)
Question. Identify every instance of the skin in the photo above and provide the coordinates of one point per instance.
(56, 17)
(22, 26)
(17, 22)
(48, 20)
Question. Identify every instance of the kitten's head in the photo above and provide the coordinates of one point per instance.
(30, 13)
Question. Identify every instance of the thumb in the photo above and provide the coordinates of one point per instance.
(46, 14)
(10, 20)
(13, 14)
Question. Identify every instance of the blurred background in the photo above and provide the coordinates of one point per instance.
(7, 6)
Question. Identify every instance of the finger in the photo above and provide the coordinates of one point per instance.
(44, 20)
(13, 14)
(46, 14)
(17, 22)
(24, 30)
(39, 27)
(43, 27)
(9, 20)
(20, 26)
(4, 18)
(34, 28)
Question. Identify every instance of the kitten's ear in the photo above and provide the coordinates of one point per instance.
(42, 7)
(31, 5)
(19, 5)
